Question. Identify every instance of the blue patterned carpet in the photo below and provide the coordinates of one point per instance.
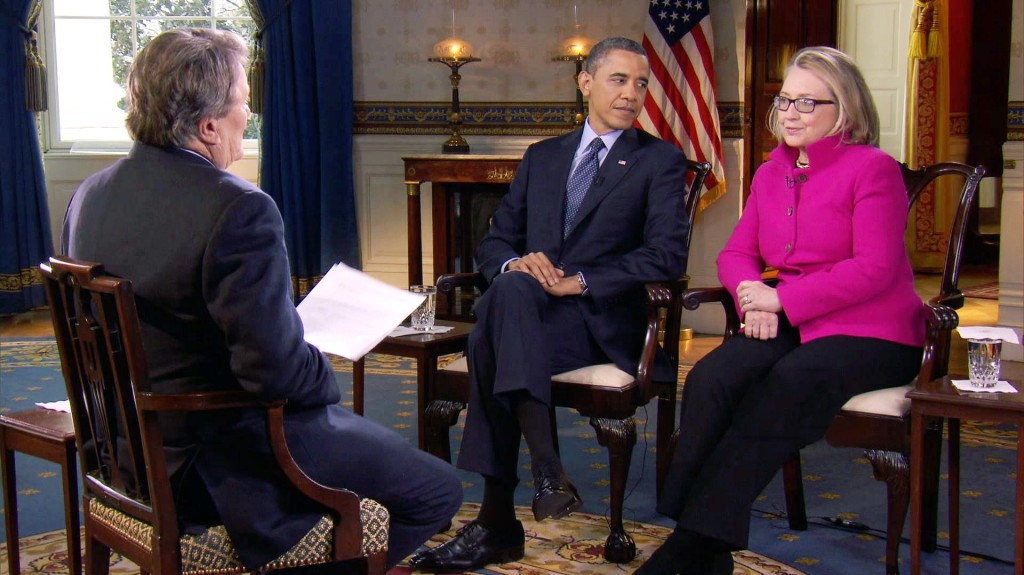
(837, 482)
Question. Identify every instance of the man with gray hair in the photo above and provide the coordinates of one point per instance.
(205, 252)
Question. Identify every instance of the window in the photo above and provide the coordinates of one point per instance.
(90, 46)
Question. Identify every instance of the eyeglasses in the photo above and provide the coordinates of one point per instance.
(803, 105)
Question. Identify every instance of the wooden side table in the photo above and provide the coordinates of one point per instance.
(443, 170)
(48, 435)
(938, 398)
(425, 349)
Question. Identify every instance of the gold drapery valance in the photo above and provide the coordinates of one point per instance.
(924, 38)
(257, 64)
(35, 70)
(927, 132)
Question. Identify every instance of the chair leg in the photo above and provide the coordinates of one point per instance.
(97, 556)
(440, 416)
(663, 465)
(666, 438)
(931, 461)
(10, 503)
(71, 519)
(377, 564)
(793, 481)
(619, 436)
(893, 468)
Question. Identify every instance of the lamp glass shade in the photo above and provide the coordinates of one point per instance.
(576, 46)
(454, 48)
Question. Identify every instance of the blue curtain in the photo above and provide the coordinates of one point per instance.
(306, 161)
(24, 217)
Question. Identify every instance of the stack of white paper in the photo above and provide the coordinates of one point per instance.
(349, 312)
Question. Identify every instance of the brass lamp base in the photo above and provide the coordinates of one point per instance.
(455, 144)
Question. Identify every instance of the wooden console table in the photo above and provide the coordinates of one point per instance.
(443, 171)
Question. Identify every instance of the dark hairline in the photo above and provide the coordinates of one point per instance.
(601, 50)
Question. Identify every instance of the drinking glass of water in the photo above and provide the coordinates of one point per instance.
(423, 316)
(983, 361)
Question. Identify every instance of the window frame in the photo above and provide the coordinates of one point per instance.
(50, 128)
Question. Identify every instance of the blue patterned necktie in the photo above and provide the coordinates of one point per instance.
(580, 182)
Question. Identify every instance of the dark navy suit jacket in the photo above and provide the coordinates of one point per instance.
(629, 230)
(205, 252)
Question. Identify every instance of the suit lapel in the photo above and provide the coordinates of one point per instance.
(620, 159)
(556, 173)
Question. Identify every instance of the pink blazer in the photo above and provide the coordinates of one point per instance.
(834, 231)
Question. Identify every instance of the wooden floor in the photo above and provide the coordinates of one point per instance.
(975, 312)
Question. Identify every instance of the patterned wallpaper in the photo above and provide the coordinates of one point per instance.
(515, 40)
(516, 88)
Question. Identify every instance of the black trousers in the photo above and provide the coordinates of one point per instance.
(521, 338)
(750, 405)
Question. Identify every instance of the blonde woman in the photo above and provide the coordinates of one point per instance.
(827, 211)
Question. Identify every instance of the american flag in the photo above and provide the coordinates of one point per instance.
(681, 106)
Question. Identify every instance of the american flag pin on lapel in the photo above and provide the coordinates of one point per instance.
(622, 162)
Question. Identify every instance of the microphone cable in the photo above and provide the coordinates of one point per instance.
(850, 526)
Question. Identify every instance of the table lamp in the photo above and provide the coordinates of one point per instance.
(575, 49)
(454, 53)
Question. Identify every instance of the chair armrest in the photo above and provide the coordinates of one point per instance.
(200, 401)
(660, 296)
(663, 294)
(348, 529)
(447, 283)
(942, 318)
(939, 325)
(693, 298)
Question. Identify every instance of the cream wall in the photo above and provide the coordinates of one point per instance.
(515, 39)
(1011, 233)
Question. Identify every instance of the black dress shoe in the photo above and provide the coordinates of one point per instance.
(723, 563)
(687, 553)
(556, 496)
(473, 547)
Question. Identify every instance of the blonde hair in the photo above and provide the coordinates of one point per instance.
(857, 120)
(182, 76)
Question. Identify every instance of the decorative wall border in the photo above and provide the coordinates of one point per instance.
(495, 118)
(1015, 122)
(550, 118)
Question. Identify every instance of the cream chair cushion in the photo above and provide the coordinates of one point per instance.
(891, 401)
(602, 375)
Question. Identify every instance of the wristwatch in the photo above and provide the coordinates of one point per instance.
(582, 282)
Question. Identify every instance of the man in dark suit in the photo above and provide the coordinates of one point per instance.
(205, 252)
(589, 218)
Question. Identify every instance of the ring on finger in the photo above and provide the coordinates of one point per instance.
(746, 299)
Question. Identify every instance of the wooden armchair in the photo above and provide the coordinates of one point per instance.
(606, 394)
(127, 495)
(879, 421)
